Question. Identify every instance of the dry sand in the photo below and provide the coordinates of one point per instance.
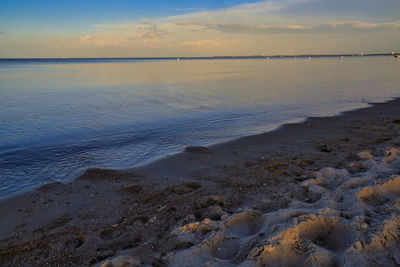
(320, 193)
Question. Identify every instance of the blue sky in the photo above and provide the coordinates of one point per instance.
(51, 28)
(74, 13)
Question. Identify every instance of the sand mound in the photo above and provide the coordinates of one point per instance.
(378, 195)
(344, 220)
(121, 261)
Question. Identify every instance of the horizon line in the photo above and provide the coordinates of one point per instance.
(209, 57)
(218, 57)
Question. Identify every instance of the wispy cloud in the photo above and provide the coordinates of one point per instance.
(262, 26)
(93, 41)
(251, 29)
(332, 27)
(356, 9)
(151, 35)
(114, 26)
(190, 9)
(145, 22)
(356, 26)
(208, 43)
(203, 28)
(248, 12)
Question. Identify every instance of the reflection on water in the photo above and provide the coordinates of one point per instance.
(58, 118)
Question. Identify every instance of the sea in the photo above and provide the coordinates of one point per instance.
(59, 117)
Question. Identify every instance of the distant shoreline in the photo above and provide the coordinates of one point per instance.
(204, 58)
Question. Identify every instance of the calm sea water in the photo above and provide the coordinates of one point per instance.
(59, 117)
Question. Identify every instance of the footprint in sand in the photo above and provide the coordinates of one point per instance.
(240, 226)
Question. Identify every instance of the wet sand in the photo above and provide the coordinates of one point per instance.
(320, 193)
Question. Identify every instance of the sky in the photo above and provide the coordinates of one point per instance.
(177, 28)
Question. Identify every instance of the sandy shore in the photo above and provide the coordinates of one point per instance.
(320, 193)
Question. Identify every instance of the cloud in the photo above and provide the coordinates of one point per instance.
(99, 41)
(357, 27)
(145, 22)
(266, 17)
(1, 32)
(333, 27)
(151, 35)
(257, 29)
(145, 30)
(190, 9)
(202, 43)
(120, 36)
(251, 29)
(259, 22)
(249, 12)
(357, 9)
(87, 37)
(114, 26)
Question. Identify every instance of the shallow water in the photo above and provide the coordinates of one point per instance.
(59, 117)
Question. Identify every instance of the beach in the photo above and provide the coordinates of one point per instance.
(323, 192)
(243, 133)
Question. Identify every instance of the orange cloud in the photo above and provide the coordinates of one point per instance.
(202, 43)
